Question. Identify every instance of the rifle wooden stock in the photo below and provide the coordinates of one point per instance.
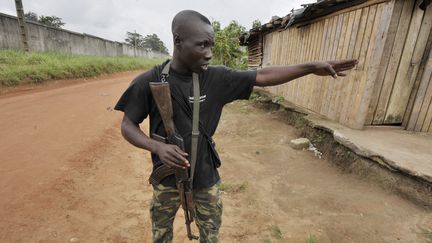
(162, 96)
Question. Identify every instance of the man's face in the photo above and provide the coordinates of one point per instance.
(195, 47)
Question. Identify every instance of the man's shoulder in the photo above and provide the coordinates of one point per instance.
(224, 72)
(218, 68)
(225, 69)
(216, 72)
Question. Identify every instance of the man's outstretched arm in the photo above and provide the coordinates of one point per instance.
(168, 153)
(275, 75)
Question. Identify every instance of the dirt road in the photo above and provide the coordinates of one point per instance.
(66, 175)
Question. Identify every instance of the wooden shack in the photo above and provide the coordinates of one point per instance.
(392, 39)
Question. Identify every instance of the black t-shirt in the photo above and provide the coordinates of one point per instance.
(219, 85)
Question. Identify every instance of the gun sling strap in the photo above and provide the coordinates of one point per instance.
(164, 170)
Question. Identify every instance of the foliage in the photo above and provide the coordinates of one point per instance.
(52, 21)
(32, 16)
(428, 234)
(227, 50)
(276, 232)
(18, 67)
(134, 39)
(312, 239)
(233, 187)
(254, 96)
(256, 24)
(149, 42)
(278, 99)
(152, 42)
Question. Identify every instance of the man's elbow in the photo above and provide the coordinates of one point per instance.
(260, 80)
(126, 127)
(123, 129)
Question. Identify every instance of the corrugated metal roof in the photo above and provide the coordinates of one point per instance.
(308, 12)
(424, 4)
(319, 9)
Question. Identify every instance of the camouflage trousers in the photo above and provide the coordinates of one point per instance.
(166, 202)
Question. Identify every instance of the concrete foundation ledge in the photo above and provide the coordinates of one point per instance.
(395, 159)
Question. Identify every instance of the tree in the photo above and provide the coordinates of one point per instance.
(227, 49)
(32, 16)
(256, 24)
(52, 21)
(216, 26)
(134, 39)
(149, 42)
(152, 42)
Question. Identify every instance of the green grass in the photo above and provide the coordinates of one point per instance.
(254, 96)
(428, 234)
(312, 239)
(257, 97)
(233, 188)
(276, 232)
(278, 99)
(18, 67)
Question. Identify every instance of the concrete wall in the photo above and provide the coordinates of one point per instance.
(44, 38)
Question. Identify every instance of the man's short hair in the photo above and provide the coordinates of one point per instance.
(185, 16)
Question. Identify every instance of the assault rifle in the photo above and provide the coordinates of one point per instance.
(162, 96)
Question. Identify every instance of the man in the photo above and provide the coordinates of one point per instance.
(193, 38)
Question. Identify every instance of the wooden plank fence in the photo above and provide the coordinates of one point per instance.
(391, 84)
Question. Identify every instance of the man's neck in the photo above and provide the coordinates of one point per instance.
(177, 66)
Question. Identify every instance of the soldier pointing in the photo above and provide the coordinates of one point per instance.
(194, 85)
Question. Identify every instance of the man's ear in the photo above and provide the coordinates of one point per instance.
(177, 39)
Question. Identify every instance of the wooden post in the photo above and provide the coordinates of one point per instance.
(22, 24)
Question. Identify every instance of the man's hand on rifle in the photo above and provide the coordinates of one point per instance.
(172, 156)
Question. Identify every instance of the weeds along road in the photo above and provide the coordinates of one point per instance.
(67, 175)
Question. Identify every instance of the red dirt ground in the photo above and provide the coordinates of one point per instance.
(67, 175)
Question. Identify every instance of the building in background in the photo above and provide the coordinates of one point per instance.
(392, 39)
